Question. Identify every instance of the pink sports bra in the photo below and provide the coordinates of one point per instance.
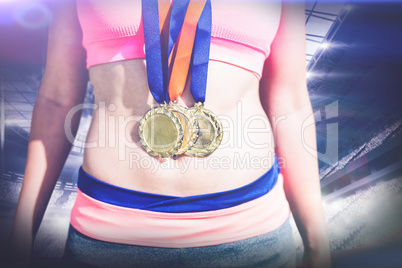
(241, 33)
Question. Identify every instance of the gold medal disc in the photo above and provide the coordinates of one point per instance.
(160, 131)
(210, 132)
(189, 124)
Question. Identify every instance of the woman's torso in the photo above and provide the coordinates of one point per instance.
(122, 98)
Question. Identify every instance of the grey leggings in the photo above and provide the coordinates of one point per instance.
(274, 249)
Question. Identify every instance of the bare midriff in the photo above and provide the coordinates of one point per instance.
(122, 97)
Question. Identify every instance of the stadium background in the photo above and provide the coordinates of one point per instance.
(354, 62)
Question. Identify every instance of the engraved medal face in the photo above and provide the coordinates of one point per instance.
(189, 124)
(160, 131)
(207, 133)
(210, 134)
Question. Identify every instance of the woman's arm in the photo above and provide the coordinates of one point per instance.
(63, 86)
(285, 99)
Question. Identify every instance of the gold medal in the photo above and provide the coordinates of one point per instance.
(168, 131)
(210, 132)
(189, 124)
(160, 131)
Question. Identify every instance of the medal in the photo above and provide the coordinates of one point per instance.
(189, 124)
(210, 134)
(172, 130)
(168, 130)
(179, 66)
(160, 131)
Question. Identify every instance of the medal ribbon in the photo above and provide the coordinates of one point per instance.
(200, 59)
(190, 22)
(181, 57)
(153, 47)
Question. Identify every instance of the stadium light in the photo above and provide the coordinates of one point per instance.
(324, 45)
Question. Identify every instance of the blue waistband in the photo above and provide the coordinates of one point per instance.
(123, 197)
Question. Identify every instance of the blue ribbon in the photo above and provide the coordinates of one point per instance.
(200, 59)
(179, 10)
(153, 49)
